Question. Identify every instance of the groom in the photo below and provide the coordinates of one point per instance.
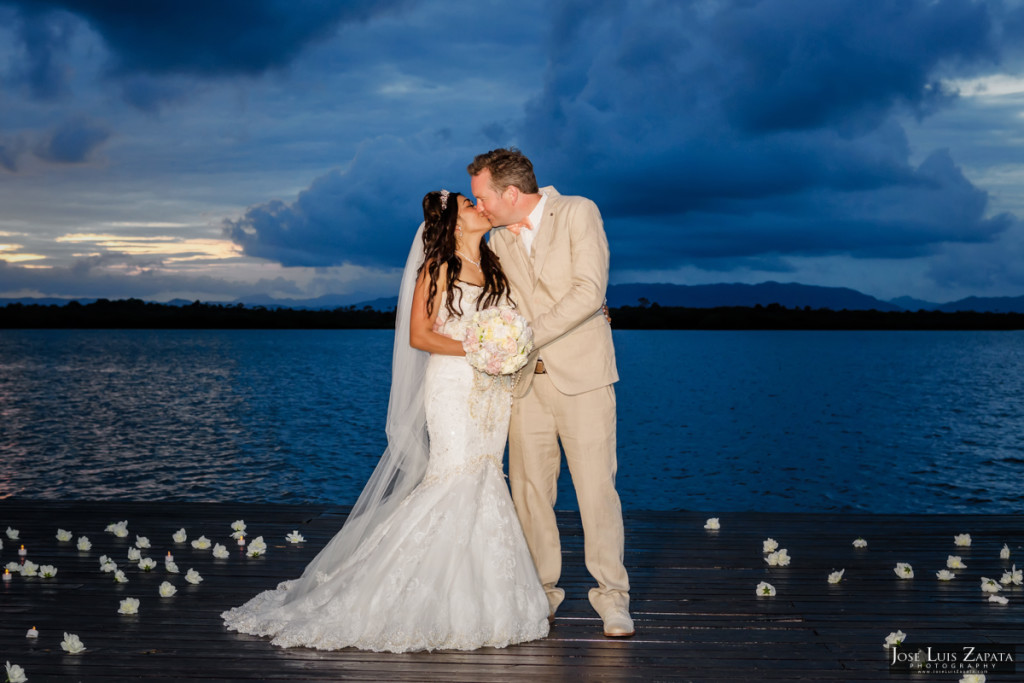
(555, 255)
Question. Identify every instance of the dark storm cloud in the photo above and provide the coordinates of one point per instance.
(11, 149)
(151, 94)
(43, 39)
(86, 279)
(365, 214)
(73, 142)
(718, 134)
(808, 64)
(208, 38)
(762, 128)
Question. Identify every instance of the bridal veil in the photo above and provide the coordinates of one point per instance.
(404, 461)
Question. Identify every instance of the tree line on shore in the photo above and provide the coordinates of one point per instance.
(138, 314)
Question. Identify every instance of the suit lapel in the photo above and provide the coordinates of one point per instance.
(516, 265)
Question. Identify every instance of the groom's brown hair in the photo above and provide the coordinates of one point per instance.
(507, 167)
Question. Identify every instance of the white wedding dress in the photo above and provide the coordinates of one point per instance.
(449, 569)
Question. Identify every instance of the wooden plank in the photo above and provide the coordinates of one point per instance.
(693, 598)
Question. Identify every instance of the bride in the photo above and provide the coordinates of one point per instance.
(432, 555)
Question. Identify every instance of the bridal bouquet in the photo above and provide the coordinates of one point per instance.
(498, 341)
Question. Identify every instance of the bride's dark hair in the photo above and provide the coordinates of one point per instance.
(439, 247)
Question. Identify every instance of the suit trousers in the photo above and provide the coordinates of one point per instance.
(585, 425)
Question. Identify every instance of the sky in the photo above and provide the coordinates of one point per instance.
(225, 150)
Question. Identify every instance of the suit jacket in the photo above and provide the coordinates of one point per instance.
(561, 292)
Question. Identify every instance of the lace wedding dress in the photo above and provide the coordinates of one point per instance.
(449, 569)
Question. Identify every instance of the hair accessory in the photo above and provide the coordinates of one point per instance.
(444, 199)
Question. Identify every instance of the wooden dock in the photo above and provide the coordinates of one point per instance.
(693, 599)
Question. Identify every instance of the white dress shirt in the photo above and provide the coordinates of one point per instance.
(528, 236)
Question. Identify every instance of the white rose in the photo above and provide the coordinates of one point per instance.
(72, 644)
(15, 674)
(129, 606)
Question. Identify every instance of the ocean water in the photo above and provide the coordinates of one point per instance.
(808, 421)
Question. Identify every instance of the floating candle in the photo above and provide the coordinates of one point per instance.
(32, 633)
(241, 540)
(170, 558)
(22, 552)
(7, 575)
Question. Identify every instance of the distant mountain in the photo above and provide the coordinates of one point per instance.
(994, 304)
(790, 295)
(909, 303)
(327, 301)
(388, 303)
(44, 301)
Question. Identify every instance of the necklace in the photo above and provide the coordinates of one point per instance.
(475, 263)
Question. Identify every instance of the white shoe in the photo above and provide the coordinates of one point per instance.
(618, 624)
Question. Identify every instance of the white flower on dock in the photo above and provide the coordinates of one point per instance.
(119, 529)
(201, 543)
(180, 536)
(193, 577)
(171, 566)
(765, 589)
(167, 589)
(134, 554)
(836, 577)
(769, 545)
(30, 568)
(129, 606)
(973, 678)
(12, 534)
(108, 567)
(895, 638)
(15, 674)
(147, 564)
(860, 543)
(220, 552)
(962, 540)
(1014, 576)
(945, 575)
(84, 544)
(295, 537)
(998, 598)
(712, 524)
(1004, 554)
(63, 535)
(904, 570)
(954, 562)
(780, 558)
(256, 547)
(990, 585)
(238, 525)
(142, 542)
(119, 577)
(72, 644)
(14, 567)
(47, 571)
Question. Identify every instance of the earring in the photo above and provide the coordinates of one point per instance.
(458, 229)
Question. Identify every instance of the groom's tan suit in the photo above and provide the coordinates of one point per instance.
(560, 288)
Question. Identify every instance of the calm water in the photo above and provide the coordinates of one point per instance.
(782, 421)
